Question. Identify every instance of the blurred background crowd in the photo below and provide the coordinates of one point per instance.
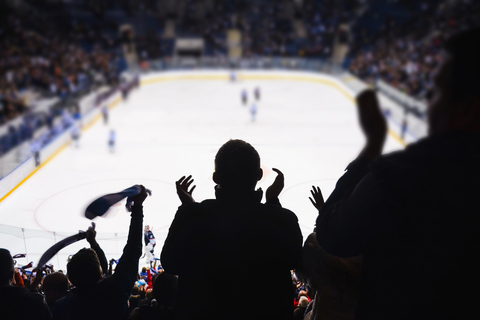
(54, 53)
(67, 48)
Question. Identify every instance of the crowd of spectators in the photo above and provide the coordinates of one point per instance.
(266, 30)
(41, 58)
(406, 54)
(268, 27)
(322, 20)
(12, 104)
(152, 296)
(375, 252)
(96, 288)
(38, 58)
(403, 242)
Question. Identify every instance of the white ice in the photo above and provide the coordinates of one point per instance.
(169, 129)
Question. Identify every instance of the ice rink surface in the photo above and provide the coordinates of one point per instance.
(169, 129)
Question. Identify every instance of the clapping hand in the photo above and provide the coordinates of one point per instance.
(183, 193)
(372, 122)
(317, 198)
(277, 186)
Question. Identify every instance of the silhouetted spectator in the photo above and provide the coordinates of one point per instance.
(299, 311)
(217, 245)
(17, 302)
(94, 298)
(413, 214)
(164, 293)
(55, 286)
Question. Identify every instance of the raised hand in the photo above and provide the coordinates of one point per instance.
(317, 198)
(277, 186)
(91, 234)
(35, 283)
(183, 193)
(372, 122)
(139, 198)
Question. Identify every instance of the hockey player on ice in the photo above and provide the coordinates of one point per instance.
(111, 140)
(253, 111)
(150, 243)
(75, 132)
(244, 97)
(256, 93)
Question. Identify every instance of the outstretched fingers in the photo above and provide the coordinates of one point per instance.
(191, 190)
(278, 171)
(183, 184)
(317, 198)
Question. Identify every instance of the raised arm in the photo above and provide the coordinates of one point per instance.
(127, 267)
(348, 217)
(91, 238)
(182, 186)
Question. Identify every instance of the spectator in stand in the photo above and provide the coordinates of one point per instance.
(134, 298)
(217, 245)
(299, 311)
(55, 286)
(412, 214)
(17, 302)
(405, 56)
(94, 298)
(164, 293)
(301, 293)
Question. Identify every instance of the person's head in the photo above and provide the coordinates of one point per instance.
(84, 269)
(455, 102)
(148, 294)
(147, 227)
(303, 302)
(237, 166)
(165, 289)
(55, 286)
(7, 268)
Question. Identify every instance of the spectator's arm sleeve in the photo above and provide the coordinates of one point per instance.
(101, 256)
(149, 279)
(350, 216)
(296, 244)
(18, 280)
(127, 268)
(178, 243)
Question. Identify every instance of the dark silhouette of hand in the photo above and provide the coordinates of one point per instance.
(372, 122)
(317, 198)
(91, 234)
(277, 186)
(183, 193)
(139, 198)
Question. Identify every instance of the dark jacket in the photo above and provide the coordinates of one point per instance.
(108, 299)
(17, 303)
(414, 216)
(226, 251)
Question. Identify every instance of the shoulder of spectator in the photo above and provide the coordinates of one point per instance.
(274, 202)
